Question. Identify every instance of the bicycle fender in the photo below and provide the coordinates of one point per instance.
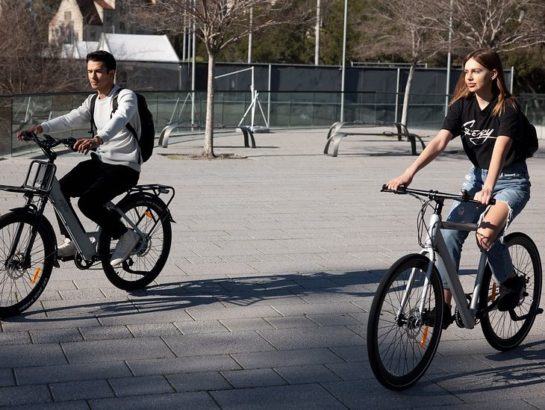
(45, 222)
(151, 197)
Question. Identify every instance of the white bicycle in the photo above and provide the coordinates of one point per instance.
(28, 250)
(406, 317)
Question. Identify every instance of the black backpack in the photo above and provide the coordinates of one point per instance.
(528, 137)
(147, 129)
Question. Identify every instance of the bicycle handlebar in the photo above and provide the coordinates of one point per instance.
(48, 142)
(435, 195)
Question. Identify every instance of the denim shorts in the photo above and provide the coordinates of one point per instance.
(512, 187)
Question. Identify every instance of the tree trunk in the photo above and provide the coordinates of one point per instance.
(407, 95)
(208, 150)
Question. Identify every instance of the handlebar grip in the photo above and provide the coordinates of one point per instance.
(400, 190)
(28, 136)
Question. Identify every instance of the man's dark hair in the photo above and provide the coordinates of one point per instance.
(104, 57)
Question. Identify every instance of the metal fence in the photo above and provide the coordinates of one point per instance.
(234, 108)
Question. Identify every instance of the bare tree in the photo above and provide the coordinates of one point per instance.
(413, 31)
(219, 23)
(29, 64)
(503, 25)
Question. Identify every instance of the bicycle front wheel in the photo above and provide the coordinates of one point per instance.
(405, 322)
(152, 218)
(506, 330)
(27, 255)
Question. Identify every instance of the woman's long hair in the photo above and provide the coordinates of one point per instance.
(489, 59)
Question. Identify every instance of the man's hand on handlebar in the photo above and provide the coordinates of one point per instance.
(36, 129)
(84, 145)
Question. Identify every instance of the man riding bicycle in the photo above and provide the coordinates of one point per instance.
(114, 166)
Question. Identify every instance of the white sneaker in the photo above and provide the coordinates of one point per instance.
(66, 250)
(126, 244)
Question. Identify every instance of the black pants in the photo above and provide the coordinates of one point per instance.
(96, 183)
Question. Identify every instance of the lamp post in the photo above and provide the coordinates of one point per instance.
(317, 34)
(343, 73)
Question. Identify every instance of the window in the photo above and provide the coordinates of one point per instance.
(67, 15)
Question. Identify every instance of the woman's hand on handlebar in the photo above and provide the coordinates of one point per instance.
(403, 180)
(36, 129)
(484, 196)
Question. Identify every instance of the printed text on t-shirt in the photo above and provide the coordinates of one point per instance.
(477, 137)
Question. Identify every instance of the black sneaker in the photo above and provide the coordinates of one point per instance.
(511, 291)
(429, 317)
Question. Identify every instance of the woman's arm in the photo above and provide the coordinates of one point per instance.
(501, 147)
(434, 148)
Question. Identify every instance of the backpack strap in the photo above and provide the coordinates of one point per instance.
(114, 108)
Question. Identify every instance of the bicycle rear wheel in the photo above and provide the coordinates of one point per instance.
(506, 330)
(148, 258)
(22, 279)
(402, 340)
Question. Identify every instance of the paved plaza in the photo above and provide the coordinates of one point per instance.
(263, 303)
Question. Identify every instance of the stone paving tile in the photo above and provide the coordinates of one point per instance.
(333, 320)
(201, 326)
(281, 358)
(359, 395)
(190, 364)
(71, 372)
(318, 309)
(18, 325)
(198, 381)
(12, 338)
(31, 355)
(217, 343)
(81, 390)
(307, 396)
(311, 338)
(151, 329)
(253, 378)
(212, 312)
(133, 386)
(11, 396)
(235, 325)
(351, 353)
(6, 377)
(106, 332)
(307, 374)
(122, 349)
(175, 401)
(70, 405)
(55, 336)
(291, 322)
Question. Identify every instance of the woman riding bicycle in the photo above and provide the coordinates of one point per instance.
(488, 120)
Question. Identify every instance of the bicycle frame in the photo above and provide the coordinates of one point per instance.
(436, 250)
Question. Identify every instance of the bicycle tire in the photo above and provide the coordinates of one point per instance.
(499, 328)
(148, 258)
(401, 348)
(21, 284)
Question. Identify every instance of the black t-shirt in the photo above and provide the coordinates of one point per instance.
(480, 128)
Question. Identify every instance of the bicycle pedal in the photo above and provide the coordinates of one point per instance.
(458, 319)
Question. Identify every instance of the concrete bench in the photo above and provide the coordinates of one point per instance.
(336, 134)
